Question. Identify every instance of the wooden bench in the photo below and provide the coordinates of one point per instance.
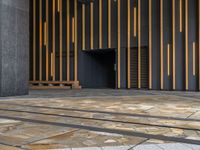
(45, 85)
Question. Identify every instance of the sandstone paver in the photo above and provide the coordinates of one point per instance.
(148, 113)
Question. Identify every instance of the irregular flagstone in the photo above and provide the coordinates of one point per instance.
(5, 147)
(82, 138)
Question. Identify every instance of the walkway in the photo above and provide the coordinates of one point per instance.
(101, 120)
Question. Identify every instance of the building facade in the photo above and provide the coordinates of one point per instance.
(117, 43)
(136, 44)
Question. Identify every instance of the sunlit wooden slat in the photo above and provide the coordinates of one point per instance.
(128, 39)
(119, 43)
(139, 44)
(181, 16)
(34, 40)
(61, 39)
(73, 30)
(47, 39)
(91, 25)
(186, 46)
(161, 46)
(83, 26)
(54, 39)
(168, 59)
(100, 24)
(150, 44)
(41, 40)
(109, 23)
(75, 41)
(194, 58)
(68, 40)
(174, 41)
(135, 22)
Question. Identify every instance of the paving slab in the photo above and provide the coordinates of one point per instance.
(174, 146)
(116, 148)
(55, 120)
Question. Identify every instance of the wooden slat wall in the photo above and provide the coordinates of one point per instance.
(56, 43)
(54, 53)
(186, 47)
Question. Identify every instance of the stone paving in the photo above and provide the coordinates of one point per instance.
(101, 120)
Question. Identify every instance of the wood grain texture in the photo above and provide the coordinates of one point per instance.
(34, 40)
(100, 24)
(161, 46)
(41, 41)
(150, 44)
(119, 44)
(47, 39)
(75, 42)
(68, 40)
(91, 25)
(128, 41)
(174, 42)
(186, 47)
(83, 26)
(139, 44)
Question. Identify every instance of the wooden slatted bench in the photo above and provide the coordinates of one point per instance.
(45, 85)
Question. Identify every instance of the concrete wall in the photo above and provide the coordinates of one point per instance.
(14, 47)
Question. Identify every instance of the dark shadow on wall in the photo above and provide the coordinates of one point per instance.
(97, 68)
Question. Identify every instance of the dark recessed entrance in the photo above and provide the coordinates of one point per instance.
(98, 69)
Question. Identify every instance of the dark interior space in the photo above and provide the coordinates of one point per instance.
(98, 69)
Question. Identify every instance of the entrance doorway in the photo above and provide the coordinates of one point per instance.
(97, 68)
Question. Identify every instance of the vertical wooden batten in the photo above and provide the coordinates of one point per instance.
(91, 25)
(54, 41)
(52, 63)
(181, 15)
(47, 39)
(139, 44)
(75, 41)
(109, 23)
(41, 40)
(186, 47)
(100, 24)
(135, 21)
(150, 44)
(61, 38)
(68, 40)
(83, 26)
(174, 42)
(58, 5)
(161, 46)
(168, 59)
(119, 43)
(128, 40)
(45, 34)
(73, 30)
(194, 58)
(34, 40)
